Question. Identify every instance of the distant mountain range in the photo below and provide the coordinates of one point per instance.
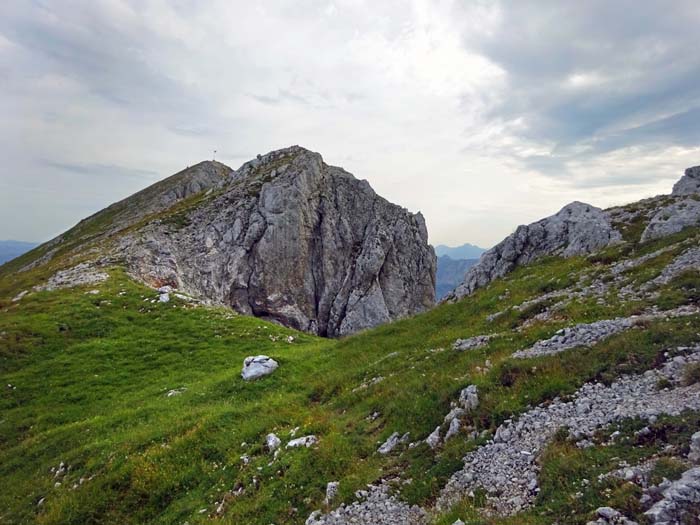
(450, 273)
(466, 251)
(11, 249)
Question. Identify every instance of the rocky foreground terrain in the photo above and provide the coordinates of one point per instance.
(559, 383)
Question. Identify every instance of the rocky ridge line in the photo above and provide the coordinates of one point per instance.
(294, 240)
(577, 229)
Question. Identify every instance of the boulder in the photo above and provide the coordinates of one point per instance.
(331, 491)
(469, 397)
(453, 430)
(694, 454)
(672, 219)
(305, 441)
(390, 444)
(433, 440)
(258, 366)
(272, 442)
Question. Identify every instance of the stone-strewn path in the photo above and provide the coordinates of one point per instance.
(378, 507)
(586, 334)
(506, 466)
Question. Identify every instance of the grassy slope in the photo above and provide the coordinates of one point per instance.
(89, 374)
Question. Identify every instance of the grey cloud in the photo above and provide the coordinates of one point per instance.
(101, 170)
(642, 84)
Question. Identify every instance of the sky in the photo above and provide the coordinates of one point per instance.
(481, 115)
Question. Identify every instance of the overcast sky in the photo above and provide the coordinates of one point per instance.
(482, 115)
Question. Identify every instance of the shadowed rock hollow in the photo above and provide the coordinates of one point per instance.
(289, 238)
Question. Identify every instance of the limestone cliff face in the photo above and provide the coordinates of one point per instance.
(689, 184)
(577, 229)
(289, 238)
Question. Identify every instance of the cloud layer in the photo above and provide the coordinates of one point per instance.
(482, 115)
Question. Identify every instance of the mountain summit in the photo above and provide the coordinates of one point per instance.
(285, 237)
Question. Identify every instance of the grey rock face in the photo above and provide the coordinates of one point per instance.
(680, 501)
(689, 183)
(577, 229)
(258, 366)
(305, 441)
(672, 219)
(288, 238)
(272, 442)
(390, 444)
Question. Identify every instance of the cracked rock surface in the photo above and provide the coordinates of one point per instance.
(577, 229)
(290, 239)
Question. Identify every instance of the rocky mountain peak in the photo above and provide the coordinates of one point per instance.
(689, 183)
(577, 229)
(292, 239)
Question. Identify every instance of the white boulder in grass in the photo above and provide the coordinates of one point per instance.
(305, 441)
(272, 442)
(258, 366)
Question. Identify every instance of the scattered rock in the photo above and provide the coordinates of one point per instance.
(469, 398)
(680, 503)
(378, 507)
(175, 392)
(258, 366)
(390, 444)
(331, 491)
(507, 465)
(610, 516)
(587, 334)
(433, 440)
(305, 441)
(272, 442)
(80, 275)
(20, 296)
(472, 343)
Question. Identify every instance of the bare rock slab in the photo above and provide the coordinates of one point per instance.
(258, 366)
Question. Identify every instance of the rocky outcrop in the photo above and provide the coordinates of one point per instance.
(289, 238)
(578, 229)
(672, 219)
(681, 501)
(689, 184)
(588, 334)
